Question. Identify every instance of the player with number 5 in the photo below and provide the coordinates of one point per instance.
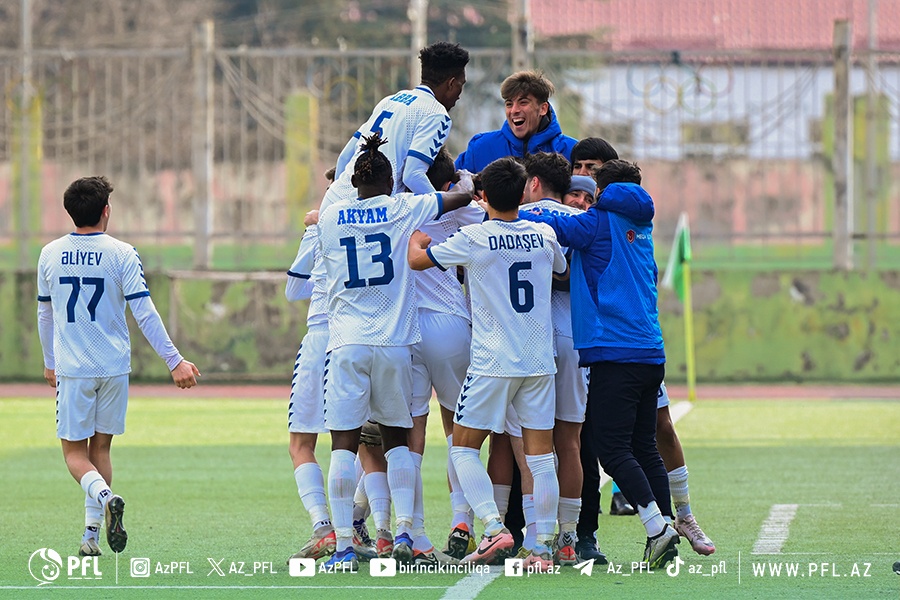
(84, 280)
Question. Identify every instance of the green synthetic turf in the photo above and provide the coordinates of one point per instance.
(212, 479)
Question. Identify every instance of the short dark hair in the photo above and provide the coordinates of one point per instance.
(372, 167)
(329, 174)
(441, 61)
(442, 170)
(504, 182)
(616, 171)
(552, 169)
(594, 148)
(526, 83)
(86, 198)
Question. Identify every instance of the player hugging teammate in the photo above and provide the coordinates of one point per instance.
(390, 323)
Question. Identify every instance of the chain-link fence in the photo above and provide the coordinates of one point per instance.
(742, 141)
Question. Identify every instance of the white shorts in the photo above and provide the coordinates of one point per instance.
(571, 382)
(662, 396)
(440, 360)
(483, 402)
(306, 408)
(89, 405)
(368, 382)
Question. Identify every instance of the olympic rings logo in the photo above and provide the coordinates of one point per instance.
(677, 86)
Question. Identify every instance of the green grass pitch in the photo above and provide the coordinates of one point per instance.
(212, 479)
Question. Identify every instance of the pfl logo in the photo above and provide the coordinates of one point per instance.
(45, 565)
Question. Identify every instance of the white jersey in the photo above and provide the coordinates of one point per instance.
(413, 122)
(306, 278)
(437, 290)
(87, 279)
(560, 301)
(370, 287)
(510, 266)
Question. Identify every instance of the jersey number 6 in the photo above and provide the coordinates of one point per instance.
(521, 292)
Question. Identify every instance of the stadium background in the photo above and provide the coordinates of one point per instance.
(216, 133)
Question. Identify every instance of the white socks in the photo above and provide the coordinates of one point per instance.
(569, 509)
(458, 503)
(95, 487)
(475, 482)
(379, 499)
(546, 495)
(678, 485)
(530, 520)
(93, 512)
(311, 488)
(420, 539)
(401, 473)
(652, 519)
(501, 498)
(341, 486)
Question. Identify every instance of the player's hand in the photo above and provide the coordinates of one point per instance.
(419, 239)
(311, 218)
(50, 376)
(185, 374)
(465, 183)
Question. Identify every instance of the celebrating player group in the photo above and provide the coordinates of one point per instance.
(517, 284)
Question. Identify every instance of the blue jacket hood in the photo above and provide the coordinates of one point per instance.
(491, 145)
(629, 200)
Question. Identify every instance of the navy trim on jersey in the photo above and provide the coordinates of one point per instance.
(422, 157)
(440, 199)
(357, 135)
(87, 234)
(43, 298)
(434, 260)
(426, 89)
(298, 275)
(137, 295)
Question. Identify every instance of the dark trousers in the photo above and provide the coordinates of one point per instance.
(622, 407)
(515, 517)
(590, 489)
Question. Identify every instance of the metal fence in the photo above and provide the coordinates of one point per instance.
(742, 141)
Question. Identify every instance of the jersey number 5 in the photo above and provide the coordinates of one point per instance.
(521, 292)
(76, 282)
(383, 257)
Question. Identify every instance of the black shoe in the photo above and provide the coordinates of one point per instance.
(620, 506)
(586, 549)
(115, 531)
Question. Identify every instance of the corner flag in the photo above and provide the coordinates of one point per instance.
(678, 277)
(678, 257)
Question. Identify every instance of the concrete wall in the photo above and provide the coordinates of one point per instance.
(773, 326)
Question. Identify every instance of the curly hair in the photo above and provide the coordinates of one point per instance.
(441, 61)
(372, 167)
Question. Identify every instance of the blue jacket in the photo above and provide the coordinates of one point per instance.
(613, 278)
(487, 147)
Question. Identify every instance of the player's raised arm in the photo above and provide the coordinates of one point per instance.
(418, 252)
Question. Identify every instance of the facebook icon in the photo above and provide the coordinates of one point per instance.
(513, 567)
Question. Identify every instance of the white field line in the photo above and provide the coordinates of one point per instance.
(471, 585)
(774, 531)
